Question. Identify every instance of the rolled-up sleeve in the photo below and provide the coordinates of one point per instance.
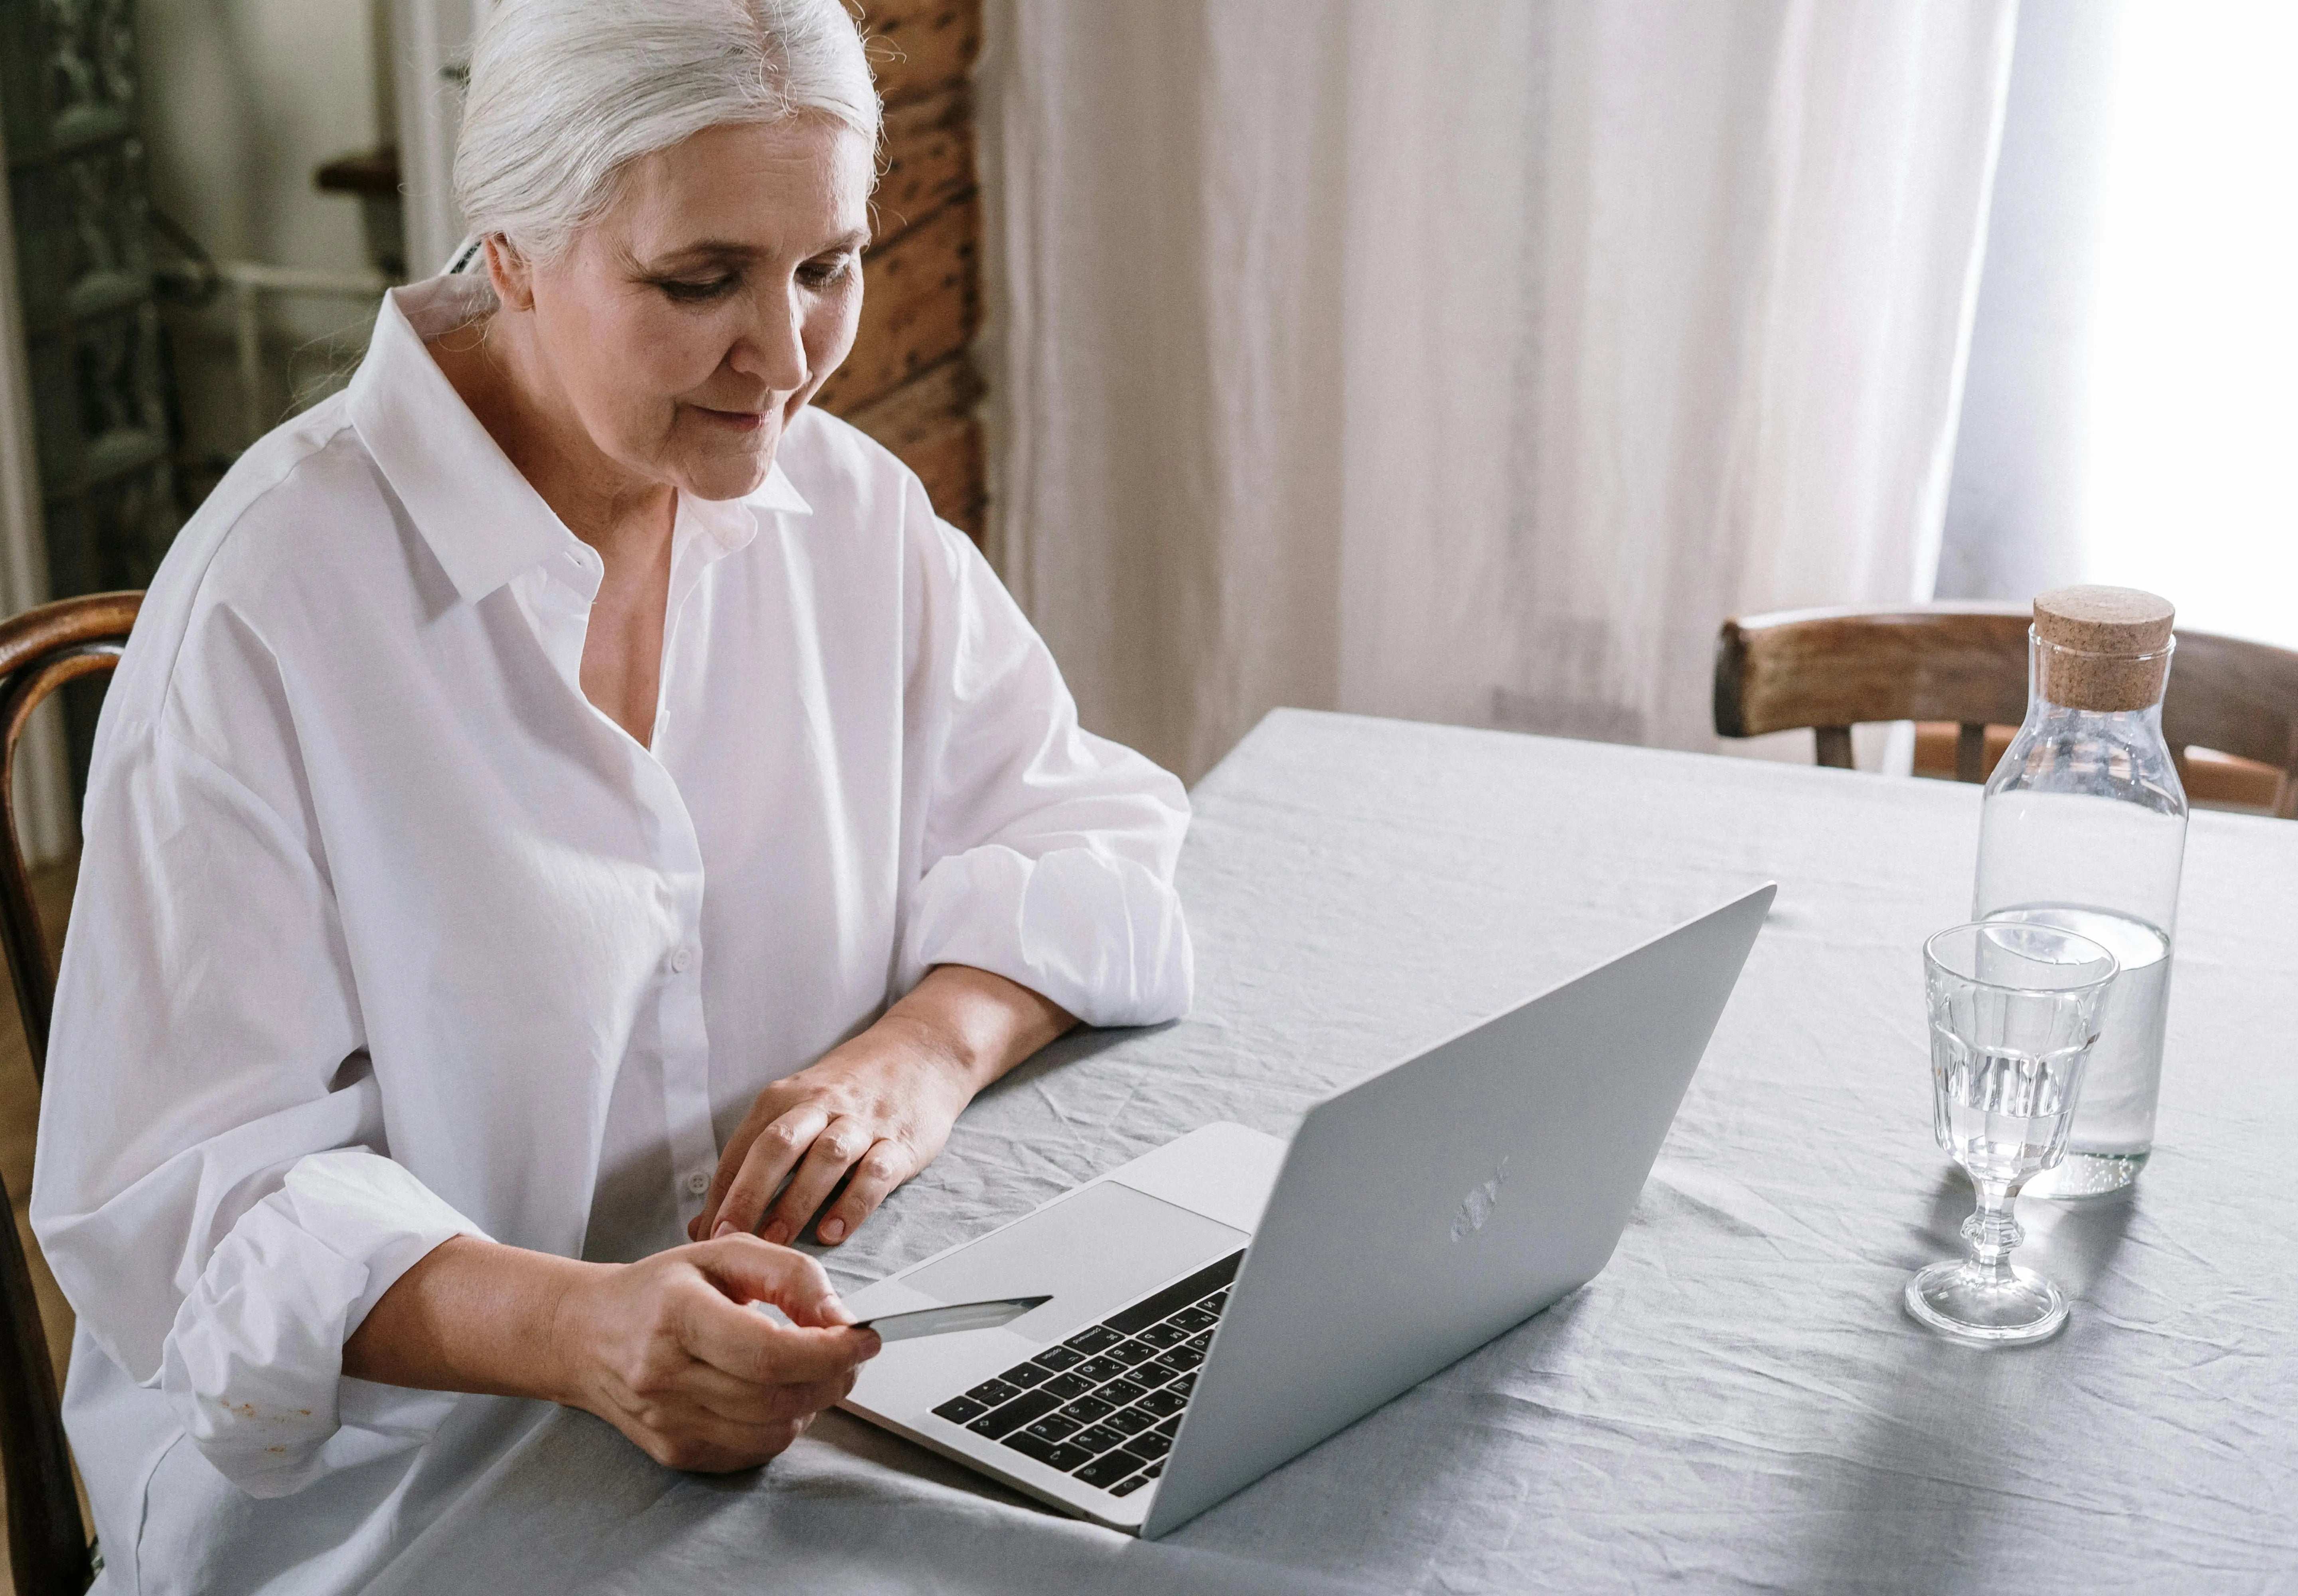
(213, 1188)
(1048, 853)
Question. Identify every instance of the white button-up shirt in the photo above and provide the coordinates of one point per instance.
(384, 933)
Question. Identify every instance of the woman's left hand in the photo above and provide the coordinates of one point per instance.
(879, 1106)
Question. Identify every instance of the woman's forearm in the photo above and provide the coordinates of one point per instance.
(473, 1315)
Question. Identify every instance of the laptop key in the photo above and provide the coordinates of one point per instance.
(1176, 1362)
(1133, 1352)
(1057, 1359)
(993, 1394)
(1124, 1391)
(1004, 1421)
(1088, 1409)
(1128, 1487)
(964, 1409)
(1164, 1336)
(1162, 1404)
(1183, 1358)
(1153, 1471)
(1106, 1472)
(1129, 1421)
(1098, 1437)
(1052, 1427)
(1052, 1454)
(1098, 1369)
(1198, 1343)
(1194, 1320)
(1094, 1338)
(1026, 1375)
(1150, 1447)
(1062, 1387)
(1170, 1426)
(1185, 1384)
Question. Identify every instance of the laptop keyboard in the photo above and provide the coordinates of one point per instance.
(1103, 1406)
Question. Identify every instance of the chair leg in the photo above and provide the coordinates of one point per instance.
(1970, 752)
(1834, 745)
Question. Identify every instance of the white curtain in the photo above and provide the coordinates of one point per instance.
(2130, 411)
(1470, 362)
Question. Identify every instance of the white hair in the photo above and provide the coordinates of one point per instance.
(566, 94)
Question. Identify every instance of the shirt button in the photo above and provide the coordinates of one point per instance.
(698, 1182)
(682, 959)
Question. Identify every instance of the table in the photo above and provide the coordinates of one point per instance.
(1737, 1403)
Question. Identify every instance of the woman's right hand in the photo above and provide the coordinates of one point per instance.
(665, 1351)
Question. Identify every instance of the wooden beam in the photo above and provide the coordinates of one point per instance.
(950, 464)
(920, 47)
(921, 303)
(928, 161)
(923, 405)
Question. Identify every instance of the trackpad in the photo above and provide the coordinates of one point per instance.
(1095, 1250)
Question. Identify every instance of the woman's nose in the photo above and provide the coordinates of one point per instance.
(773, 351)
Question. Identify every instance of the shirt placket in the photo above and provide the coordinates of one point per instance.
(561, 607)
(683, 1030)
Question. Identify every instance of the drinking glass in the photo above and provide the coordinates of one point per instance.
(2014, 1007)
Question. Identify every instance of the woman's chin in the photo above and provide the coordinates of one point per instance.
(729, 475)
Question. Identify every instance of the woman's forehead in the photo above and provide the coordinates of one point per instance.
(788, 187)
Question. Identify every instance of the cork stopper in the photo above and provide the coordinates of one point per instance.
(2103, 648)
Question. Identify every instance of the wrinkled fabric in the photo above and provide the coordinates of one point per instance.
(376, 909)
(253, 1360)
(1737, 1402)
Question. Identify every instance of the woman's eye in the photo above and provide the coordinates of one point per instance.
(825, 274)
(687, 291)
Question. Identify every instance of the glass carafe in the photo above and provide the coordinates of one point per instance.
(2084, 827)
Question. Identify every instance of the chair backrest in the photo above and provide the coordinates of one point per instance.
(1832, 669)
(40, 651)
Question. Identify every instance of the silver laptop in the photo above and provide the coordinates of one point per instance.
(1224, 1302)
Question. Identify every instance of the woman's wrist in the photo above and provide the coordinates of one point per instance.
(983, 1024)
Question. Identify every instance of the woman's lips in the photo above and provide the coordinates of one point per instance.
(738, 421)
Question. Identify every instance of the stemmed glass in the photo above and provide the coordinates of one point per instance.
(2014, 1008)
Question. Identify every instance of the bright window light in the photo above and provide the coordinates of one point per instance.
(2191, 486)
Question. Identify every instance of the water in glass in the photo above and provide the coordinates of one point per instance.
(2002, 1115)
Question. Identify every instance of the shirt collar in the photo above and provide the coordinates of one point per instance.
(483, 520)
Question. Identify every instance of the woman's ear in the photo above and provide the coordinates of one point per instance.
(511, 273)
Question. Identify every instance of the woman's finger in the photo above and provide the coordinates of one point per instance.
(765, 1166)
(741, 1401)
(887, 1164)
(758, 1352)
(842, 1141)
(742, 1269)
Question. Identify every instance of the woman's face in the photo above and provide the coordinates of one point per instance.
(683, 330)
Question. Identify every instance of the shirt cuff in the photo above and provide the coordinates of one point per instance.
(1102, 936)
(254, 1360)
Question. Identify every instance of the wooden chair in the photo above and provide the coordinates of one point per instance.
(48, 1549)
(1832, 669)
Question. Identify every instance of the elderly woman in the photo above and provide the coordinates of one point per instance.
(569, 818)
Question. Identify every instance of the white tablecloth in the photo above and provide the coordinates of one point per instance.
(1737, 1403)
